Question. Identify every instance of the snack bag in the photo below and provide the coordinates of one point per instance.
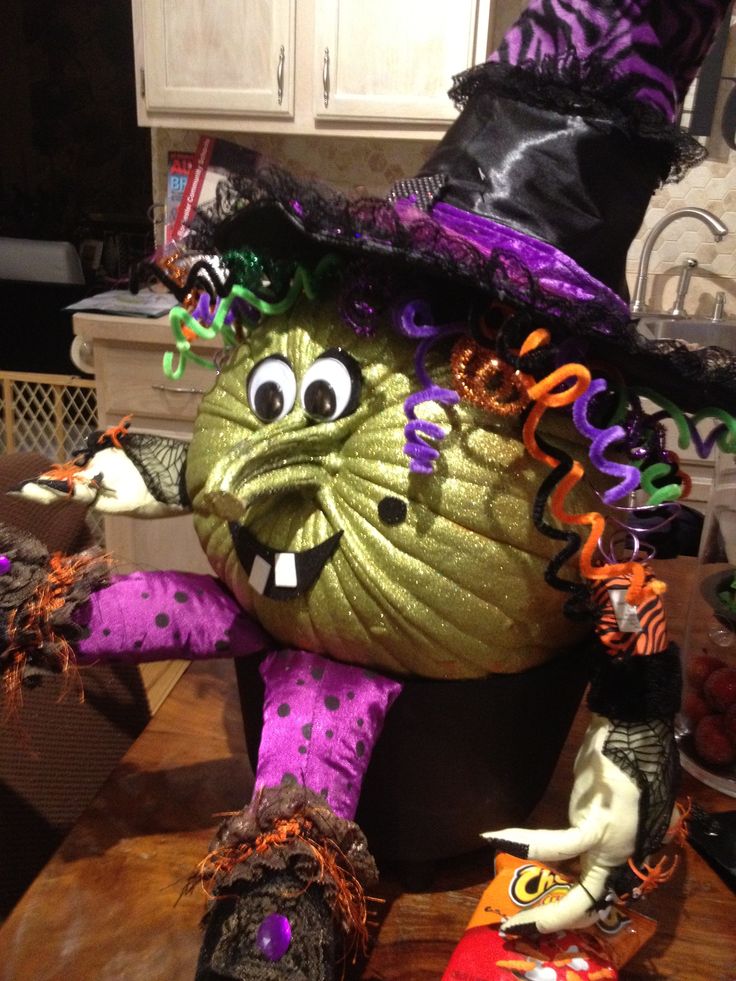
(595, 953)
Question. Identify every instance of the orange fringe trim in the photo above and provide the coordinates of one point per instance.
(68, 472)
(350, 902)
(64, 572)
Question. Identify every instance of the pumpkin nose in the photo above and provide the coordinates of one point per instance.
(281, 458)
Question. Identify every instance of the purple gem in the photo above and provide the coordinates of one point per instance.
(5, 565)
(274, 936)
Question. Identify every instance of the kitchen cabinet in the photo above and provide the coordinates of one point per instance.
(227, 56)
(127, 354)
(339, 67)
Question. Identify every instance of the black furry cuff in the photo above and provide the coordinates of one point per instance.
(637, 688)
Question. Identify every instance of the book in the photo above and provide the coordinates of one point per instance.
(179, 167)
(214, 159)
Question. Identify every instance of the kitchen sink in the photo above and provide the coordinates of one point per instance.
(703, 333)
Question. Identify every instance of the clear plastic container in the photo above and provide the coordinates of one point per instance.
(706, 724)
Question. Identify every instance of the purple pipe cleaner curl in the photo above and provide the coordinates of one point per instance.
(201, 312)
(703, 445)
(421, 454)
(601, 439)
(205, 311)
(413, 318)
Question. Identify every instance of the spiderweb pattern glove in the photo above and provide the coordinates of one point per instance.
(119, 472)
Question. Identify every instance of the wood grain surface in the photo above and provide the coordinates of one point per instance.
(108, 904)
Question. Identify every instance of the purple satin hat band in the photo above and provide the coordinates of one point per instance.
(556, 274)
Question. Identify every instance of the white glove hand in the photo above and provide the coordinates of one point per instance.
(604, 823)
(119, 473)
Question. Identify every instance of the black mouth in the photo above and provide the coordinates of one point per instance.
(280, 575)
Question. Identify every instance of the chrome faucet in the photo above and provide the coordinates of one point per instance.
(715, 224)
(686, 271)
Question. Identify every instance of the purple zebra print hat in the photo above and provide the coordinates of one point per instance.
(539, 187)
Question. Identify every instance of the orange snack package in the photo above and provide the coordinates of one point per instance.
(591, 954)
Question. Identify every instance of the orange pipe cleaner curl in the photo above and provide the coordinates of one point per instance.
(117, 432)
(545, 396)
(483, 379)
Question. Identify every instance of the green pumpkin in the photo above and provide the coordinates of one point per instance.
(439, 575)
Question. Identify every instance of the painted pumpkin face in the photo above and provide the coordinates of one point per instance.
(307, 510)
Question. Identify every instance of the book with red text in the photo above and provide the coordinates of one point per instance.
(214, 159)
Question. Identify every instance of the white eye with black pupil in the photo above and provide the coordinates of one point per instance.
(330, 388)
(271, 389)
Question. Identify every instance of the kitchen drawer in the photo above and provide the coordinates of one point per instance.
(132, 380)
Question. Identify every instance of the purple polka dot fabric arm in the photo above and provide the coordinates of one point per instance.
(156, 616)
(321, 720)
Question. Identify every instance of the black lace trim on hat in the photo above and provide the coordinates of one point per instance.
(315, 217)
(693, 378)
(283, 217)
(589, 89)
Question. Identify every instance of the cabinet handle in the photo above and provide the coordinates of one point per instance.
(177, 390)
(280, 74)
(326, 77)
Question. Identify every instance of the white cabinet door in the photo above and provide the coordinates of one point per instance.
(224, 55)
(393, 59)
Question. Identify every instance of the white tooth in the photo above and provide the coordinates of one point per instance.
(285, 569)
(259, 574)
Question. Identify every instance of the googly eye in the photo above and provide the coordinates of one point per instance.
(330, 388)
(271, 388)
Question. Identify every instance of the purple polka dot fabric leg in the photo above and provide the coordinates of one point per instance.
(321, 720)
(153, 616)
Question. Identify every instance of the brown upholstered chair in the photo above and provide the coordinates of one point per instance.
(56, 755)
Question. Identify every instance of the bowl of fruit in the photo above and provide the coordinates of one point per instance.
(707, 732)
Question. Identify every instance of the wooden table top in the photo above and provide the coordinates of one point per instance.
(107, 905)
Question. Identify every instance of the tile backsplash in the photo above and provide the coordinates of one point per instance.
(711, 185)
(354, 165)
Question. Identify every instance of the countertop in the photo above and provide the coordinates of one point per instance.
(108, 904)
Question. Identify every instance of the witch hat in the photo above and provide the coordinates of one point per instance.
(536, 191)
